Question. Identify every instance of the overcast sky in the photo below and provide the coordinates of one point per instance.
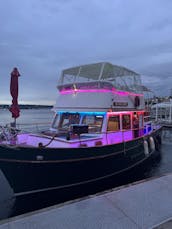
(42, 37)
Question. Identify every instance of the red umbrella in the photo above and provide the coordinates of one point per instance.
(14, 93)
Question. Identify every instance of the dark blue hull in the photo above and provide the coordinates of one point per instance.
(29, 170)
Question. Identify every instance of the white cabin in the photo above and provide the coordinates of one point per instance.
(101, 99)
(99, 87)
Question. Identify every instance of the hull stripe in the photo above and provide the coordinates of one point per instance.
(68, 160)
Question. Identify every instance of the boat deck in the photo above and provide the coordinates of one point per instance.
(145, 204)
(57, 141)
(53, 140)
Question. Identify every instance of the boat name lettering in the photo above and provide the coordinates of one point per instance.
(124, 104)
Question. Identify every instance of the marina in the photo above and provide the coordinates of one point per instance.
(85, 114)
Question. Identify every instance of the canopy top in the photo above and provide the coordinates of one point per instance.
(121, 77)
(99, 71)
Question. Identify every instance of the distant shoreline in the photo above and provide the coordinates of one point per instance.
(26, 106)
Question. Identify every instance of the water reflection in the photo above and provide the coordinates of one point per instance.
(167, 136)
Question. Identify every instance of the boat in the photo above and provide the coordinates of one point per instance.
(100, 129)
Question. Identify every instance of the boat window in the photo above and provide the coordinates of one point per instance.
(94, 122)
(113, 123)
(55, 121)
(67, 119)
(126, 122)
(140, 120)
(147, 119)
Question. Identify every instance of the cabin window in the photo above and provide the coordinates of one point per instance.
(113, 123)
(147, 119)
(67, 119)
(126, 122)
(55, 121)
(94, 122)
(140, 120)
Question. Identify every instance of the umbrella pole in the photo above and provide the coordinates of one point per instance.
(15, 122)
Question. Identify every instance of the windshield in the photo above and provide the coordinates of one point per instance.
(67, 119)
(63, 121)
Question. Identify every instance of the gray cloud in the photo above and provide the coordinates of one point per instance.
(42, 37)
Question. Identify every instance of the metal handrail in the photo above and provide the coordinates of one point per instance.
(37, 126)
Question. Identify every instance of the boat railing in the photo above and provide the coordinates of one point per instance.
(110, 137)
(26, 127)
(131, 133)
(123, 135)
(10, 132)
(33, 127)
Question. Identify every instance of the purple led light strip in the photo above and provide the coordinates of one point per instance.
(113, 91)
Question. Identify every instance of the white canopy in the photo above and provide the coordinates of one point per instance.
(121, 77)
(163, 105)
(162, 111)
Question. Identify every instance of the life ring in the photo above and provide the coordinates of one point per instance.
(146, 148)
(152, 144)
(137, 101)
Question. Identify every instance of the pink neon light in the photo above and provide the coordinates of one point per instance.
(118, 112)
(113, 91)
(122, 112)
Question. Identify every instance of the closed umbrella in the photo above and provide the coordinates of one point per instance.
(14, 93)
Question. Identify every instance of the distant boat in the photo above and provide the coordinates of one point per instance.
(100, 129)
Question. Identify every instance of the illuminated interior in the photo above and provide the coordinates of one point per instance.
(104, 128)
(94, 120)
(116, 121)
